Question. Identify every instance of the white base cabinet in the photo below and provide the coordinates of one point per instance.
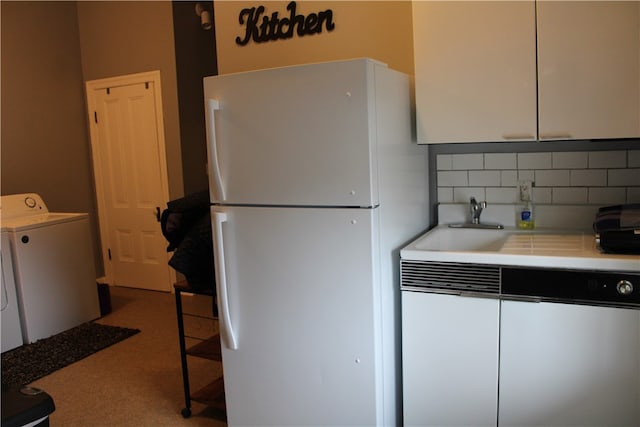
(569, 365)
(450, 360)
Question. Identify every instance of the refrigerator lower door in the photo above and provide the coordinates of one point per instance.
(301, 293)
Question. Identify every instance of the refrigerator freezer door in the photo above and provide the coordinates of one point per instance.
(302, 289)
(303, 135)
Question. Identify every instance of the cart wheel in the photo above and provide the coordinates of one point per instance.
(186, 413)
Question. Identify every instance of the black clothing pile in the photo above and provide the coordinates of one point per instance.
(186, 224)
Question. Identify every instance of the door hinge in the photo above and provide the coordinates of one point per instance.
(109, 252)
(95, 116)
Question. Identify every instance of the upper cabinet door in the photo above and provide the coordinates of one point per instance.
(475, 71)
(589, 72)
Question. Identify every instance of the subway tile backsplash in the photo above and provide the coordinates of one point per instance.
(576, 178)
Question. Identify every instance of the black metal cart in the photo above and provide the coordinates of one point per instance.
(212, 394)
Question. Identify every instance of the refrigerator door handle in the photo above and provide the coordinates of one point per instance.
(220, 218)
(212, 106)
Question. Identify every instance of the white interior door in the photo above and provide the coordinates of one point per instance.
(130, 170)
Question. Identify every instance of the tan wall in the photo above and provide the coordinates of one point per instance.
(45, 145)
(377, 29)
(49, 49)
(127, 37)
(44, 136)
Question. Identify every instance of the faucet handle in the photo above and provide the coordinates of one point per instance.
(476, 209)
(475, 204)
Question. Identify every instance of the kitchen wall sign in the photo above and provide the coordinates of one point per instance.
(276, 28)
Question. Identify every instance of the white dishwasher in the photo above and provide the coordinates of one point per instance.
(569, 348)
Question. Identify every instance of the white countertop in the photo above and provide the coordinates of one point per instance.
(550, 248)
(565, 241)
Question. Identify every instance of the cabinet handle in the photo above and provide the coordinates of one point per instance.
(478, 295)
(555, 136)
(518, 136)
(521, 298)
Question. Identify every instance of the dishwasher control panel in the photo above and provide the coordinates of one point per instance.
(572, 286)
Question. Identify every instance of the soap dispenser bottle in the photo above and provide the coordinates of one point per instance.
(525, 216)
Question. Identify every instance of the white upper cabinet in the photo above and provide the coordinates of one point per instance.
(480, 78)
(588, 69)
(475, 70)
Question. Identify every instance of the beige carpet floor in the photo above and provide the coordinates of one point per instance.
(137, 382)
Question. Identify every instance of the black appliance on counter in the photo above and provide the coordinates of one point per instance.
(618, 228)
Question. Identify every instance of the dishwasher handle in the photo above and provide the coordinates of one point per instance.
(465, 294)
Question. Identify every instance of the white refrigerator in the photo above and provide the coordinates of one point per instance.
(316, 183)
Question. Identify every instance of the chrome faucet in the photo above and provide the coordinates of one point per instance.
(476, 210)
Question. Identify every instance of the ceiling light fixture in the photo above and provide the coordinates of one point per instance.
(205, 17)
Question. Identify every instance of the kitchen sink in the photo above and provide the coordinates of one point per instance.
(462, 240)
(562, 239)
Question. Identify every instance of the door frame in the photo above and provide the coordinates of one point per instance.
(103, 220)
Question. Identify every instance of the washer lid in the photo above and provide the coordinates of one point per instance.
(42, 220)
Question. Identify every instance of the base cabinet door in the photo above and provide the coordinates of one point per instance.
(450, 360)
(569, 365)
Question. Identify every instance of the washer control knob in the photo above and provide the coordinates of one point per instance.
(30, 202)
(624, 287)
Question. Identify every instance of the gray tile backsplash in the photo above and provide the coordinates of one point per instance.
(575, 177)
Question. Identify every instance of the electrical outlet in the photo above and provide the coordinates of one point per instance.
(525, 190)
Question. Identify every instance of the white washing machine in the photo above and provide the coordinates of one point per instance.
(53, 266)
(11, 331)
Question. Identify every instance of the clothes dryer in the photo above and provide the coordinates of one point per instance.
(53, 265)
(11, 330)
